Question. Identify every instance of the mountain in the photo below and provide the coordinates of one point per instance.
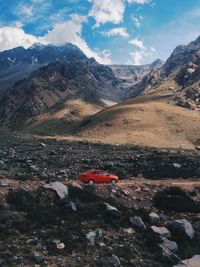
(132, 74)
(167, 113)
(80, 78)
(178, 79)
(18, 63)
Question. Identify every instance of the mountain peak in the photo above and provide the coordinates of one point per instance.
(37, 46)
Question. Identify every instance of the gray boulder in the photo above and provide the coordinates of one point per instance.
(167, 256)
(193, 262)
(59, 188)
(160, 232)
(171, 245)
(112, 215)
(181, 229)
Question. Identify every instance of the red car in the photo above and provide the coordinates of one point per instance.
(98, 176)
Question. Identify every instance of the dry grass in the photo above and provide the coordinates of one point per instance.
(63, 117)
(145, 121)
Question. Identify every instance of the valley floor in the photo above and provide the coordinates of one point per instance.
(37, 228)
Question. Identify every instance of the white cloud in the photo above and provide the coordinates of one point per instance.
(27, 10)
(139, 1)
(137, 20)
(141, 51)
(117, 32)
(69, 31)
(11, 37)
(137, 57)
(138, 43)
(105, 11)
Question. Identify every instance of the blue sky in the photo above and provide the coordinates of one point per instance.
(112, 31)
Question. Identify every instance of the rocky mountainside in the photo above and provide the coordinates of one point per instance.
(132, 74)
(178, 78)
(18, 63)
(79, 78)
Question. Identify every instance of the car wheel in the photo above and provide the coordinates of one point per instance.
(91, 182)
(113, 181)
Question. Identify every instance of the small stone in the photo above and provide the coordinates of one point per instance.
(177, 165)
(72, 206)
(2, 164)
(129, 230)
(137, 223)
(60, 246)
(38, 258)
(110, 261)
(91, 236)
(154, 218)
(43, 144)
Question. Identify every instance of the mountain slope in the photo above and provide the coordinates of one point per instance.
(18, 63)
(178, 78)
(132, 74)
(145, 121)
(58, 81)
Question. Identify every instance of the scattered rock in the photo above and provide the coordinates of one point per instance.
(157, 233)
(181, 229)
(177, 165)
(2, 164)
(71, 206)
(138, 223)
(94, 235)
(60, 188)
(43, 144)
(60, 246)
(167, 256)
(38, 258)
(154, 218)
(171, 245)
(193, 262)
(112, 215)
(110, 261)
(33, 168)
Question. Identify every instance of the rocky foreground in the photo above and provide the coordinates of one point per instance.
(48, 218)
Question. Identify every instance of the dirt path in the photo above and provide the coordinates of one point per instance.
(165, 182)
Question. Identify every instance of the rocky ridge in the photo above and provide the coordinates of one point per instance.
(178, 78)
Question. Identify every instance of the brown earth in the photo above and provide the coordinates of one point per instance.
(145, 121)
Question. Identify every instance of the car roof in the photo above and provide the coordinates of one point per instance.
(97, 171)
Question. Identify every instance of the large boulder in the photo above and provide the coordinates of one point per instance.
(59, 188)
(175, 199)
(171, 245)
(181, 229)
(112, 215)
(166, 255)
(193, 262)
